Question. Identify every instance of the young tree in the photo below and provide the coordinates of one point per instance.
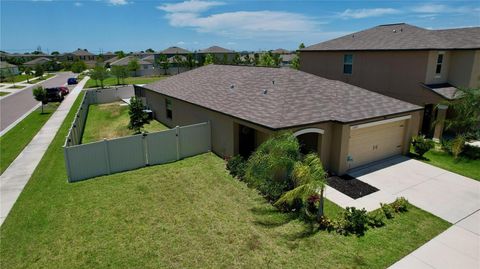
(295, 62)
(120, 54)
(78, 66)
(190, 61)
(209, 59)
(133, 66)
(28, 71)
(308, 178)
(120, 72)
(99, 73)
(237, 59)
(149, 50)
(162, 61)
(40, 94)
(138, 117)
(39, 70)
(266, 59)
(177, 59)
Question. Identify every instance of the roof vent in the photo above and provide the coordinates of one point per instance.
(273, 82)
(401, 29)
(394, 30)
(265, 91)
(232, 87)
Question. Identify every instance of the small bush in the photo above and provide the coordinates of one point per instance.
(421, 145)
(376, 219)
(457, 146)
(387, 210)
(400, 205)
(355, 221)
(324, 223)
(236, 165)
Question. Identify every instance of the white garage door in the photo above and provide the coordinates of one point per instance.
(374, 143)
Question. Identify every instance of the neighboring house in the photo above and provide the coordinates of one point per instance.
(410, 63)
(287, 59)
(221, 54)
(8, 69)
(172, 51)
(146, 68)
(346, 125)
(108, 55)
(281, 51)
(150, 58)
(80, 54)
(111, 60)
(37, 61)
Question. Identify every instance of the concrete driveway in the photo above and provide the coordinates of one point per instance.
(450, 196)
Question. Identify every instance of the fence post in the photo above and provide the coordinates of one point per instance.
(67, 164)
(177, 135)
(145, 149)
(209, 126)
(107, 156)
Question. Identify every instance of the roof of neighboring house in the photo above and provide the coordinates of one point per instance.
(287, 57)
(175, 50)
(281, 51)
(215, 49)
(109, 53)
(126, 60)
(403, 36)
(111, 60)
(80, 52)
(277, 97)
(446, 90)
(35, 61)
(149, 58)
(6, 65)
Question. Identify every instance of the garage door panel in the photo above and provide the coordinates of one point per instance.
(375, 143)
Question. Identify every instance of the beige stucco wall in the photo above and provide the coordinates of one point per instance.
(398, 74)
(430, 76)
(333, 143)
(464, 68)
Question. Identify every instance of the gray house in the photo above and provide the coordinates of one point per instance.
(8, 69)
(146, 68)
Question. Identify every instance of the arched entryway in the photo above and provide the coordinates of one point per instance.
(310, 140)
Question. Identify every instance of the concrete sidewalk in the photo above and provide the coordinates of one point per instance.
(14, 179)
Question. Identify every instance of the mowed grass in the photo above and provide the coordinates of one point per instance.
(112, 81)
(18, 78)
(4, 93)
(187, 214)
(462, 166)
(110, 121)
(15, 140)
(44, 77)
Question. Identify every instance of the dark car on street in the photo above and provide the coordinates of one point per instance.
(72, 81)
(64, 90)
(54, 94)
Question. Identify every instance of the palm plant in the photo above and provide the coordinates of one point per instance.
(309, 182)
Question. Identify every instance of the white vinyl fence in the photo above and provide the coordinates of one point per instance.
(105, 157)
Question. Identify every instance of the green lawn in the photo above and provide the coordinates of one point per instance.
(187, 214)
(4, 93)
(110, 121)
(17, 87)
(112, 81)
(18, 78)
(463, 166)
(15, 140)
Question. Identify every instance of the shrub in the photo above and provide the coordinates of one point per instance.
(471, 152)
(269, 168)
(400, 205)
(446, 145)
(421, 145)
(355, 221)
(457, 145)
(376, 219)
(387, 210)
(236, 165)
(324, 223)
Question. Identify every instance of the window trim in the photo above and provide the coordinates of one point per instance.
(347, 64)
(439, 65)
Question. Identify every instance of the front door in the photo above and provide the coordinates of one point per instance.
(246, 140)
(428, 117)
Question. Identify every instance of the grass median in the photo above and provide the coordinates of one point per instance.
(187, 214)
(112, 81)
(15, 140)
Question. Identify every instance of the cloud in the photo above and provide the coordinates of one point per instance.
(117, 2)
(78, 4)
(367, 13)
(440, 8)
(192, 6)
(181, 43)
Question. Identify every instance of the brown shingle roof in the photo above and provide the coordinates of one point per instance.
(403, 36)
(35, 61)
(277, 97)
(80, 52)
(281, 51)
(175, 50)
(6, 65)
(125, 60)
(446, 90)
(216, 49)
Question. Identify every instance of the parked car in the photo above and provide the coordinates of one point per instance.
(54, 94)
(72, 81)
(64, 90)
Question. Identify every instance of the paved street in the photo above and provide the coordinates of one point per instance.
(15, 105)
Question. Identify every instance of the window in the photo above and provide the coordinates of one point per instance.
(438, 69)
(168, 106)
(347, 63)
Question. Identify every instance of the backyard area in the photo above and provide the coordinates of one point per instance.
(190, 213)
(112, 81)
(110, 121)
(463, 165)
(15, 140)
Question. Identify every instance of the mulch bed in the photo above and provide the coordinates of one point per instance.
(350, 186)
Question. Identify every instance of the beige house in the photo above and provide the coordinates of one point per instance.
(420, 66)
(220, 54)
(346, 125)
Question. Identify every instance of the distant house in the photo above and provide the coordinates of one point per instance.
(37, 61)
(221, 54)
(246, 105)
(413, 64)
(108, 55)
(146, 68)
(281, 51)
(8, 69)
(287, 59)
(172, 51)
(150, 58)
(80, 54)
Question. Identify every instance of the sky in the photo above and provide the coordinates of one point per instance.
(135, 25)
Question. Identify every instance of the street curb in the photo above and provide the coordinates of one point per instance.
(20, 90)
